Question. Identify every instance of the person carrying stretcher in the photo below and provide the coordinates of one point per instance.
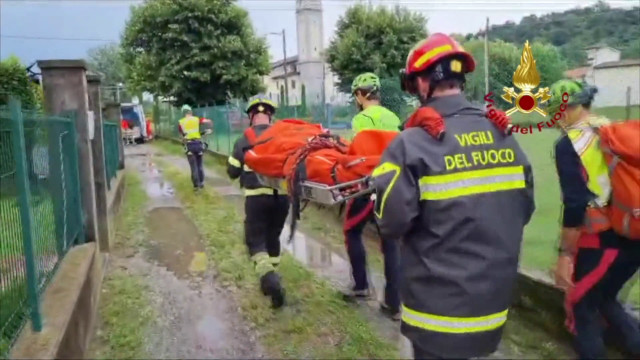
(265, 209)
(459, 201)
(372, 116)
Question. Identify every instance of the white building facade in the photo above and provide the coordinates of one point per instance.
(618, 81)
(308, 69)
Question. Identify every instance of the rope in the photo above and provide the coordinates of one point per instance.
(318, 142)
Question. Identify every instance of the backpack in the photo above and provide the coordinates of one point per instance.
(620, 143)
(268, 152)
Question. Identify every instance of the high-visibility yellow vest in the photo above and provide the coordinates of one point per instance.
(586, 143)
(191, 127)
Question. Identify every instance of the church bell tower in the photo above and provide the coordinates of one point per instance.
(310, 48)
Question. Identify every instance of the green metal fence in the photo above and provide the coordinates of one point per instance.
(229, 121)
(40, 211)
(111, 138)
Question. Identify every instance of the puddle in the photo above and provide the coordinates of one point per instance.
(337, 271)
(314, 254)
(174, 242)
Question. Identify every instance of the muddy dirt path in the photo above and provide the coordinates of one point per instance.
(319, 256)
(196, 318)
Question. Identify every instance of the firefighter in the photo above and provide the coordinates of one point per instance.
(189, 128)
(459, 204)
(604, 260)
(366, 91)
(265, 209)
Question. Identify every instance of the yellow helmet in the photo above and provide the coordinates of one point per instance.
(261, 104)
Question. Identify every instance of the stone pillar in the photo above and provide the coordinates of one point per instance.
(65, 89)
(112, 113)
(99, 168)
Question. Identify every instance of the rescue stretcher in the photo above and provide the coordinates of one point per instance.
(322, 193)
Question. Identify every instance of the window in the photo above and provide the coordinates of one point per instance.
(293, 84)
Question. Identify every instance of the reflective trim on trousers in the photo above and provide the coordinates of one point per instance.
(260, 191)
(453, 325)
(234, 162)
(262, 263)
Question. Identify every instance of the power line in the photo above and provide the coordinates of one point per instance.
(54, 38)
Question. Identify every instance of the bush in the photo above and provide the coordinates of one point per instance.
(14, 81)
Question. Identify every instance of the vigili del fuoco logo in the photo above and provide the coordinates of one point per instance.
(526, 78)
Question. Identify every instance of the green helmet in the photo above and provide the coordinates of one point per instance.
(579, 93)
(368, 81)
(263, 105)
(186, 108)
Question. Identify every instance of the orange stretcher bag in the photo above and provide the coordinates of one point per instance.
(269, 151)
(363, 155)
(621, 145)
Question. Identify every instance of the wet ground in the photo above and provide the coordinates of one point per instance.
(318, 255)
(197, 319)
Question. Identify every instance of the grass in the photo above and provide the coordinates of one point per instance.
(43, 227)
(316, 323)
(520, 337)
(541, 235)
(13, 284)
(321, 223)
(124, 310)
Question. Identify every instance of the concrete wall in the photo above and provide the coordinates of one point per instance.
(68, 307)
(612, 85)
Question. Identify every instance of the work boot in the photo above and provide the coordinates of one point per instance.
(355, 294)
(393, 314)
(270, 286)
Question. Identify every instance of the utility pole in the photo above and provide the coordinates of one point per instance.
(324, 95)
(486, 57)
(284, 64)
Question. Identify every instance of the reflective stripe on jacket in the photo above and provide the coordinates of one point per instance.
(586, 143)
(460, 206)
(190, 127)
(236, 168)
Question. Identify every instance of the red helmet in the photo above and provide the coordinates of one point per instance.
(436, 47)
(430, 51)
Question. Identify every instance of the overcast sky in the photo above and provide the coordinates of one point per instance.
(47, 29)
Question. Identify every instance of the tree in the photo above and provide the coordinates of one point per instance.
(198, 51)
(504, 58)
(575, 29)
(376, 40)
(632, 51)
(549, 62)
(14, 81)
(392, 97)
(107, 59)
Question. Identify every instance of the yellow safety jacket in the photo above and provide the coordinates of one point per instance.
(586, 143)
(190, 127)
